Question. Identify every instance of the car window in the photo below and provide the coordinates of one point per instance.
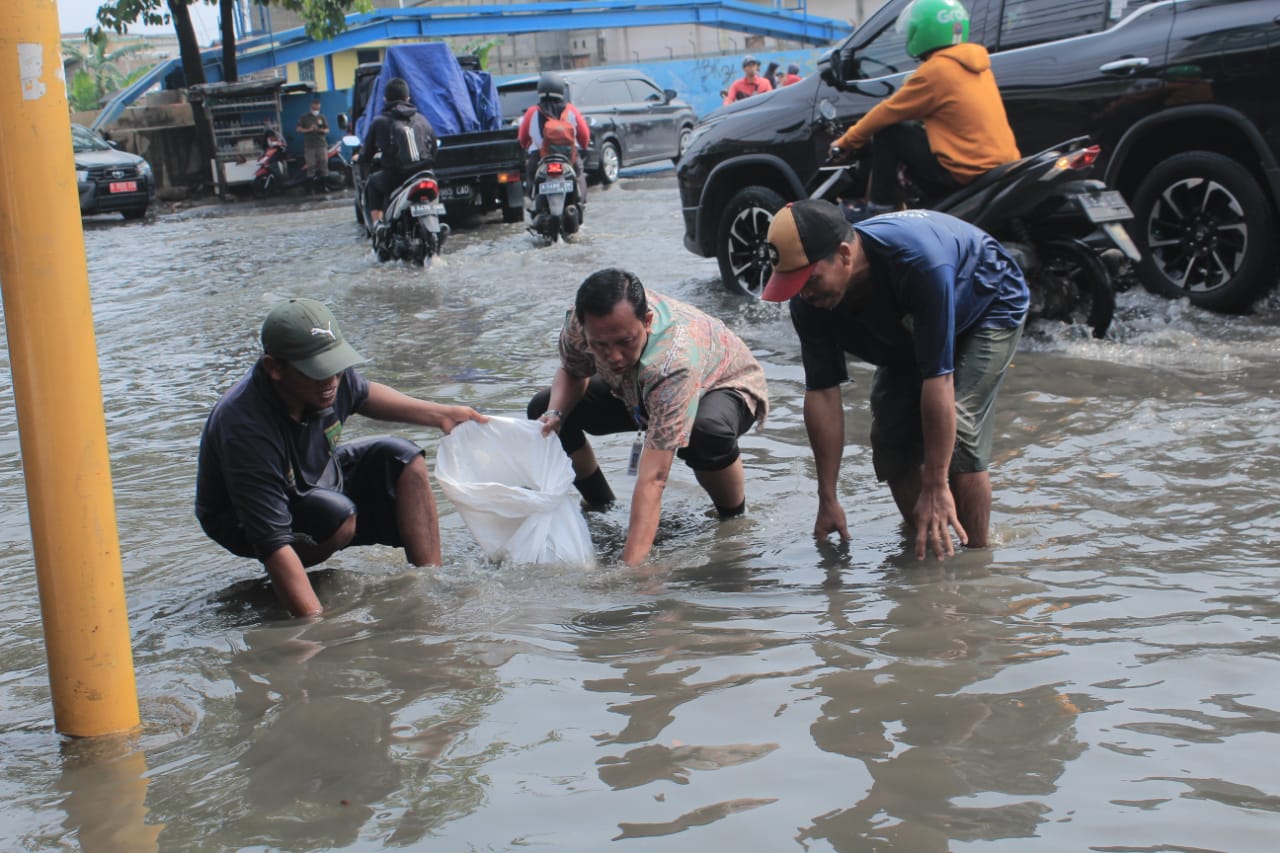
(516, 99)
(643, 90)
(885, 53)
(606, 93)
(1037, 21)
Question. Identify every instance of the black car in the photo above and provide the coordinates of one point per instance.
(1178, 94)
(632, 121)
(108, 179)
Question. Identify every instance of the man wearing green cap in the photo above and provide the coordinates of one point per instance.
(274, 483)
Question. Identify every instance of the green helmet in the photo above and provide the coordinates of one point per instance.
(931, 24)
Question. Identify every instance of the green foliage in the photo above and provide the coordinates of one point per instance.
(325, 19)
(99, 73)
(481, 50)
(83, 92)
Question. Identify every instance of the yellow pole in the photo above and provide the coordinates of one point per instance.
(53, 356)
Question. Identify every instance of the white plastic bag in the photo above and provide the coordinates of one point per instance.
(514, 489)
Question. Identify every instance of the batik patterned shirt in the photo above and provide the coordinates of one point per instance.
(688, 353)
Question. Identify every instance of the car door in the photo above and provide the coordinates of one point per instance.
(1071, 67)
(661, 135)
(625, 115)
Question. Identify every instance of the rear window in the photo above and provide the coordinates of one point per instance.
(515, 99)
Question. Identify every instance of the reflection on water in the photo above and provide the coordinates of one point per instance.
(1102, 678)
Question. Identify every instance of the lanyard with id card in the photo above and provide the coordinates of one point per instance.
(637, 446)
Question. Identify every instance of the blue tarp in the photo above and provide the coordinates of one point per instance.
(453, 100)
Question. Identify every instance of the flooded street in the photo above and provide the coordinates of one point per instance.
(1097, 680)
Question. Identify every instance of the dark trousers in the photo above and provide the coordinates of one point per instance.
(906, 144)
(371, 470)
(380, 186)
(722, 416)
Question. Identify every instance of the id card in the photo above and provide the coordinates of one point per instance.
(633, 466)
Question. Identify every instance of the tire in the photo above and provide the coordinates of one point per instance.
(741, 246)
(134, 213)
(610, 163)
(1073, 285)
(511, 213)
(686, 133)
(1206, 232)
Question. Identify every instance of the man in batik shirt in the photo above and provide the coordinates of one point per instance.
(632, 360)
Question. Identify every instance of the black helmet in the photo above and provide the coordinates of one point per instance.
(551, 85)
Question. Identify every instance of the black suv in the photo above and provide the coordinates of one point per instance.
(1178, 93)
(632, 121)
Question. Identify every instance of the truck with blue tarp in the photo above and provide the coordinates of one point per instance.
(479, 164)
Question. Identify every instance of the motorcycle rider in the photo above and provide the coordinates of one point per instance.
(953, 94)
(407, 142)
(552, 106)
(750, 83)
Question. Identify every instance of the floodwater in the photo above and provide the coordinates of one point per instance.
(1105, 677)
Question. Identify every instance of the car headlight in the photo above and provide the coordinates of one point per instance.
(144, 169)
(82, 175)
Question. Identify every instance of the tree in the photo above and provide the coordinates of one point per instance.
(99, 72)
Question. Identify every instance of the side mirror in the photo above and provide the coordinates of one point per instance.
(669, 95)
(343, 121)
(832, 67)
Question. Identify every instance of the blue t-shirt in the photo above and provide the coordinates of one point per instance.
(933, 278)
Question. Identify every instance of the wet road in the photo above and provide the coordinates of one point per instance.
(1097, 680)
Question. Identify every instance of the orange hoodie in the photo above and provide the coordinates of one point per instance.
(954, 93)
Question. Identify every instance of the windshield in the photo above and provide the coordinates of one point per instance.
(83, 139)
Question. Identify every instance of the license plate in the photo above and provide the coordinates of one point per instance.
(123, 186)
(549, 187)
(427, 209)
(456, 191)
(1105, 206)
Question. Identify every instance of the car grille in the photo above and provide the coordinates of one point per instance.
(112, 173)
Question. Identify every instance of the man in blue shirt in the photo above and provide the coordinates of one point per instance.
(938, 306)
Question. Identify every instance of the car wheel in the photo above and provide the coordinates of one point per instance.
(686, 133)
(742, 247)
(1205, 230)
(610, 163)
(135, 212)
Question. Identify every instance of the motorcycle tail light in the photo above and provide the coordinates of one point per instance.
(424, 189)
(555, 168)
(1082, 159)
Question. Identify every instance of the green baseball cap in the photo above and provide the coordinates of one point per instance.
(304, 333)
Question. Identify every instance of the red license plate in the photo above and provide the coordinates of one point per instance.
(123, 186)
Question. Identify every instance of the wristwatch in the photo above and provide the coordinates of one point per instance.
(553, 413)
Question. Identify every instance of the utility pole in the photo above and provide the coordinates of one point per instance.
(53, 356)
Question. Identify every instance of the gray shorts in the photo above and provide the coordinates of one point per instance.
(897, 438)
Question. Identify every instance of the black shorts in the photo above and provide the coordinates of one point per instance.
(713, 444)
(371, 469)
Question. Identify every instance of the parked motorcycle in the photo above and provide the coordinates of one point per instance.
(276, 173)
(557, 205)
(1066, 231)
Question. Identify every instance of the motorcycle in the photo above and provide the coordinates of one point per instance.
(1065, 231)
(556, 206)
(275, 173)
(411, 227)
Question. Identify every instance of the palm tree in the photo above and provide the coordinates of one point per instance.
(98, 73)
